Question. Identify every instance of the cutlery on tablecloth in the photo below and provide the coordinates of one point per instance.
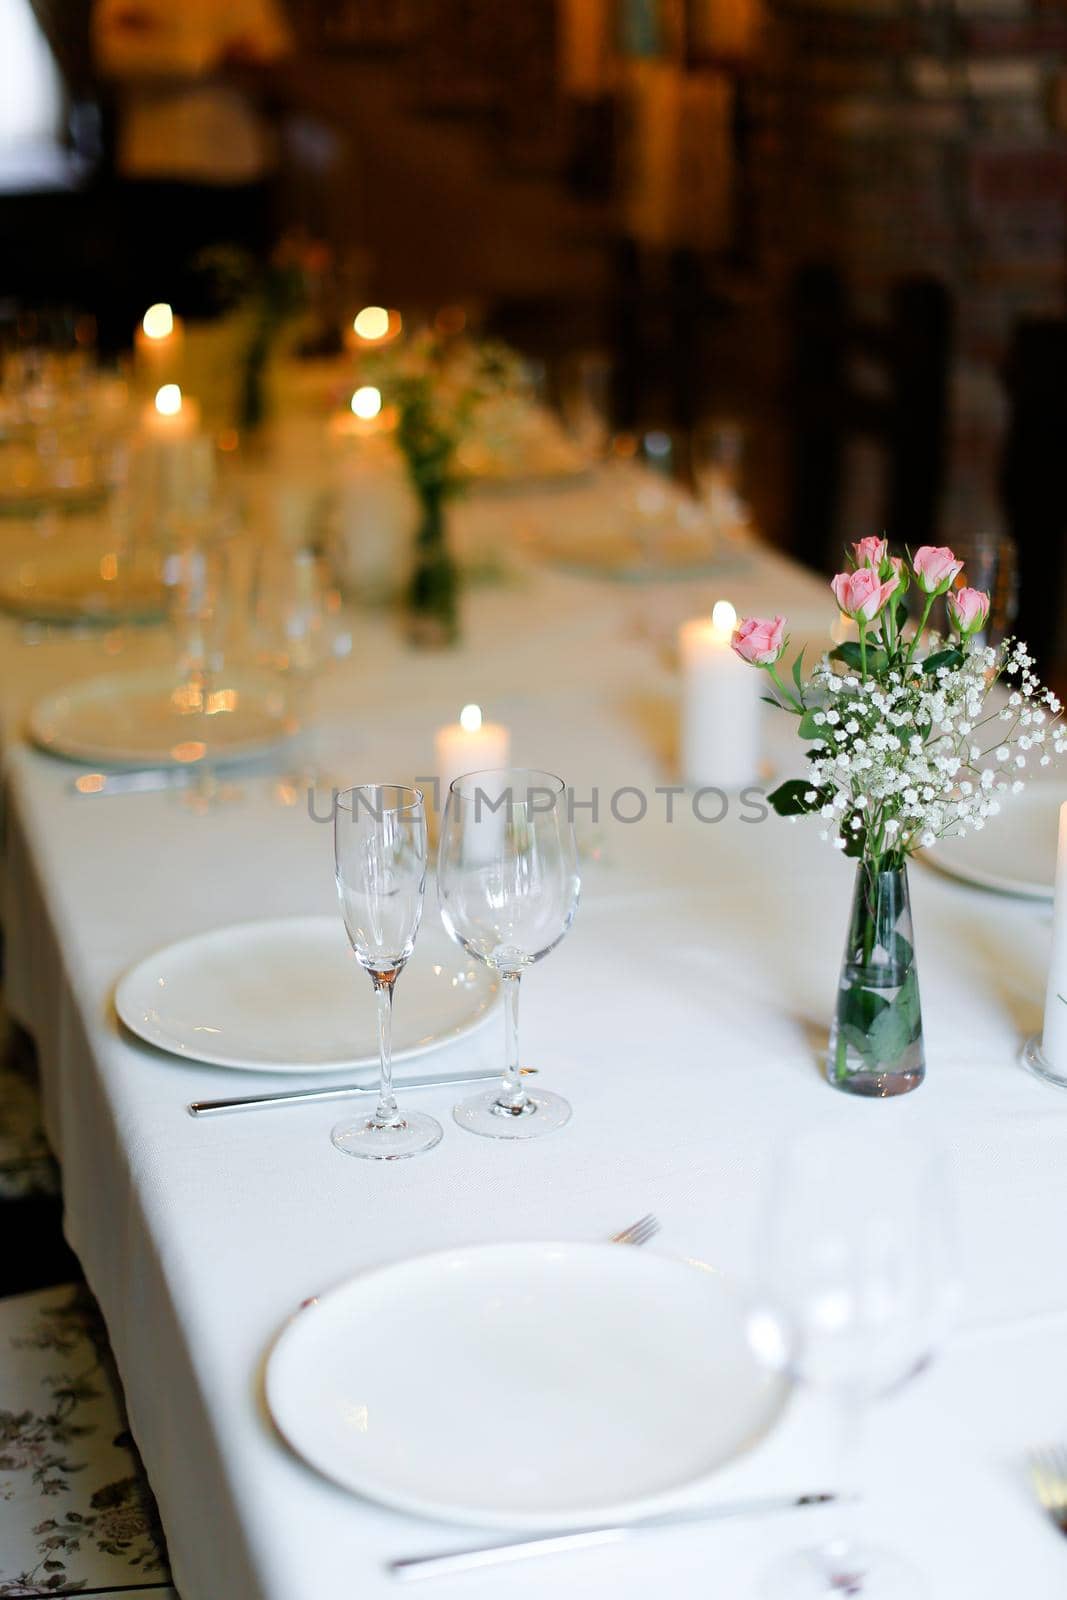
(341, 1091)
(449, 1563)
(1048, 1474)
(145, 780)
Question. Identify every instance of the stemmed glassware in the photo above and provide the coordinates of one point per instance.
(507, 877)
(856, 1289)
(298, 633)
(380, 856)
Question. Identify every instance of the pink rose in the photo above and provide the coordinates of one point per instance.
(870, 552)
(759, 640)
(861, 593)
(935, 568)
(968, 609)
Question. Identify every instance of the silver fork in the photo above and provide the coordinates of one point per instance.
(638, 1232)
(1048, 1474)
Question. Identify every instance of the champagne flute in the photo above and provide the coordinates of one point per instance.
(857, 1287)
(380, 855)
(507, 877)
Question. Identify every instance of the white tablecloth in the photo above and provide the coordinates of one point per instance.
(681, 1018)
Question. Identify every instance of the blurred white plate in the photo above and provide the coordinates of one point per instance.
(1015, 853)
(562, 1384)
(150, 719)
(288, 995)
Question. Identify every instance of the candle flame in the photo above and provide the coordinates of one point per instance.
(723, 617)
(372, 322)
(158, 321)
(470, 719)
(367, 402)
(169, 400)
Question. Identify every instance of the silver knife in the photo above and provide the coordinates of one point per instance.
(147, 780)
(340, 1091)
(412, 1568)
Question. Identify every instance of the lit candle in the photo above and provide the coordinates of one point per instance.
(157, 347)
(373, 327)
(721, 710)
(171, 415)
(1050, 1060)
(469, 745)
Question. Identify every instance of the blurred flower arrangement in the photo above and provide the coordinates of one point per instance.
(437, 385)
(272, 297)
(908, 743)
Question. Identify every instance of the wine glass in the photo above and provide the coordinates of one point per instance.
(299, 632)
(507, 877)
(380, 854)
(856, 1288)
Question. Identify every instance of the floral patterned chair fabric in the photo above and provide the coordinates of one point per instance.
(76, 1513)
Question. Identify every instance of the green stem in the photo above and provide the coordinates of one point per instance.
(930, 598)
(772, 670)
(863, 647)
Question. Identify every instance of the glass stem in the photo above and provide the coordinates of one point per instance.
(849, 1419)
(512, 1095)
(386, 1114)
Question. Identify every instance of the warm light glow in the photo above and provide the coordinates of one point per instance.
(367, 402)
(158, 321)
(90, 783)
(169, 400)
(723, 618)
(470, 719)
(372, 322)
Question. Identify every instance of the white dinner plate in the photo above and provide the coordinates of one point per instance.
(152, 719)
(530, 1386)
(1015, 853)
(288, 995)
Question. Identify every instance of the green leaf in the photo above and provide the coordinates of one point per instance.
(943, 658)
(797, 679)
(788, 799)
(808, 728)
(852, 656)
(901, 615)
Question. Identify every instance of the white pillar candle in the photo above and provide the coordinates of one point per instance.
(844, 629)
(158, 346)
(469, 745)
(721, 709)
(1054, 1036)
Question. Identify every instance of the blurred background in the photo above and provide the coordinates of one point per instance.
(827, 236)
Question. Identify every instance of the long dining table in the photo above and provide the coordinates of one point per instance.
(682, 1017)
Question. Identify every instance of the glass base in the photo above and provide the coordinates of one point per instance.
(413, 1134)
(876, 1085)
(543, 1112)
(1034, 1058)
(863, 1571)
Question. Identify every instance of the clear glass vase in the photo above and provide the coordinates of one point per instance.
(876, 1042)
(433, 590)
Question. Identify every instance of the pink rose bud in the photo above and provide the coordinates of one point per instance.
(759, 640)
(870, 553)
(935, 568)
(968, 609)
(861, 593)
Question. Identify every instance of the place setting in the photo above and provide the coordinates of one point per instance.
(533, 877)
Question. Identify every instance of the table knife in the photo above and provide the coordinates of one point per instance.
(146, 780)
(340, 1091)
(449, 1563)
